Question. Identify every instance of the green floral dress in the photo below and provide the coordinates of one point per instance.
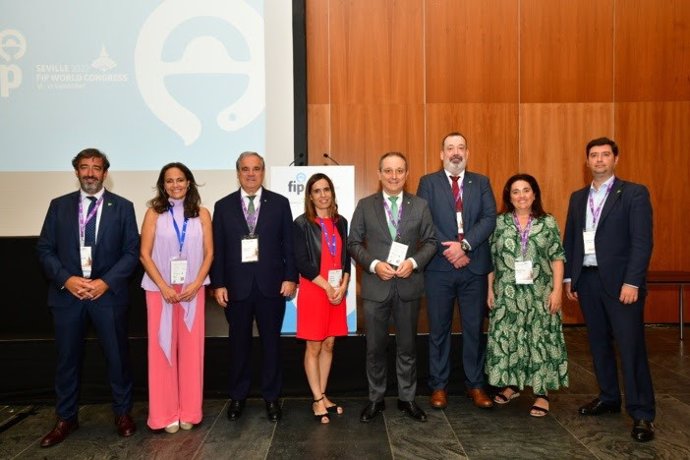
(525, 344)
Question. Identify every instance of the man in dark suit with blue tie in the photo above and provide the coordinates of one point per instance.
(253, 272)
(88, 248)
(392, 238)
(464, 212)
(608, 245)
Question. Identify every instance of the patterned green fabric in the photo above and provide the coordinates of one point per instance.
(525, 345)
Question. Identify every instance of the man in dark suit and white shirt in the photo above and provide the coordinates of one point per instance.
(608, 245)
(392, 238)
(253, 272)
(464, 212)
(88, 248)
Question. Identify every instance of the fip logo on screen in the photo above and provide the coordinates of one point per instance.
(296, 186)
(12, 47)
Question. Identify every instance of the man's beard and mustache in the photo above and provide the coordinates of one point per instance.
(456, 164)
(90, 184)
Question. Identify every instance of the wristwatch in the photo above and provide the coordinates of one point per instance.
(465, 246)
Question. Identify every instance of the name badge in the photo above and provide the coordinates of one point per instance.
(458, 218)
(335, 277)
(397, 254)
(250, 249)
(588, 238)
(178, 271)
(86, 260)
(523, 272)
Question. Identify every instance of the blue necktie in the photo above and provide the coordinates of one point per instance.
(90, 229)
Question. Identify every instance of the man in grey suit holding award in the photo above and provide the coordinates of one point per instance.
(392, 238)
(464, 212)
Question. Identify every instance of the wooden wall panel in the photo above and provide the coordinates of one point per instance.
(318, 50)
(652, 50)
(376, 54)
(319, 137)
(653, 139)
(552, 149)
(566, 49)
(492, 137)
(362, 133)
(471, 51)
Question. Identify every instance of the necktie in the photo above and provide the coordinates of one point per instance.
(90, 229)
(251, 214)
(456, 193)
(394, 215)
(458, 200)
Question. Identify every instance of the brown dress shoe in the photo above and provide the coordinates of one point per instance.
(59, 433)
(439, 399)
(480, 398)
(125, 425)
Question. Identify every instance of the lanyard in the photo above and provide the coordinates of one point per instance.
(596, 212)
(330, 241)
(180, 236)
(524, 234)
(92, 214)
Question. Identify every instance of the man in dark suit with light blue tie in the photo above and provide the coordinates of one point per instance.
(464, 212)
(392, 239)
(88, 248)
(253, 272)
(608, 246)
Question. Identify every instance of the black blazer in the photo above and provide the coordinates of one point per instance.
(115, 255)
(623, 239)
(307, 236)
(276, 255)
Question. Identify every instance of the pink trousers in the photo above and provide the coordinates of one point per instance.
(175, 389)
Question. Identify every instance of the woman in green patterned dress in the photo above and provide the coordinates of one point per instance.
(526, 345)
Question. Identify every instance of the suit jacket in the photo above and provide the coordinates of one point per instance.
(115, 255)
(370, 239)
(478, 214)
(623, 238)
(308, 238)
(276, 256)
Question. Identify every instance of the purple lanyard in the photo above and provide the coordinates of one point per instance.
(596, 212)
(180, 236)
(330, 241)
(92, 214)
(524, 234)
(250, 218)
(389, 213)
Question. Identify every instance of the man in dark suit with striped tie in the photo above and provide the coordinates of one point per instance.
(464, 212)
(88, 248)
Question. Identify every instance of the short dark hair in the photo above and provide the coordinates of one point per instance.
(453, 134)
(90, 153)
(602, 141)
(192, 201)
(309, 208)
(537, 207)
(392, 154)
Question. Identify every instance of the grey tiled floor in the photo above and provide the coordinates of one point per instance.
(461, 431)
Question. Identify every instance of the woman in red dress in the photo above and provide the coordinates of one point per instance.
(324, 267)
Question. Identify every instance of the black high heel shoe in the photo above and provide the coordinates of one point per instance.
(334, 409)
(321, 418)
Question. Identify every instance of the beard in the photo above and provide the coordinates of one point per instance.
(90, 185)
(456, 164)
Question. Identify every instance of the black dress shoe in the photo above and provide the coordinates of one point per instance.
(372, 410)
(412, 409)
(60, 432)
(125, 425)
(273, 411)
(598, 407)
(235, 409)
(642, 431)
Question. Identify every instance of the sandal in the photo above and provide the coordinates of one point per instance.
(334, 409)
(501, 397)
(536, 411)
(321, 418)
